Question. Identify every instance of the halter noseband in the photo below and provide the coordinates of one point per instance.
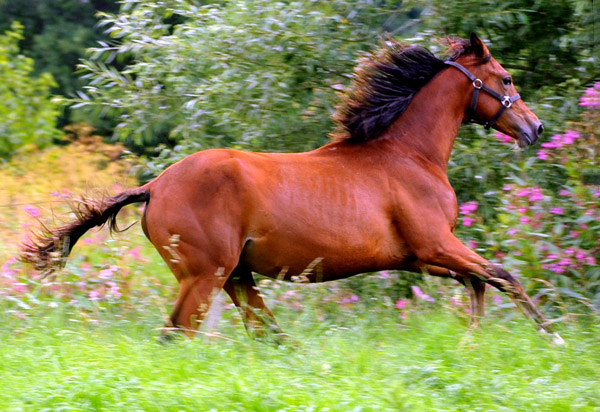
(478, 85)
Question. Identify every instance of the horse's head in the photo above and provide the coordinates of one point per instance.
(495, 102)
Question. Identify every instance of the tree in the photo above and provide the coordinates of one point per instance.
(255, 74)
(56, 34)
(543, 41)
(27, 115)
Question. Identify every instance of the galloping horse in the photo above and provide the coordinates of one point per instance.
(377, 197)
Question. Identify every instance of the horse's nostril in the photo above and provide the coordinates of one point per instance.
(540, 129)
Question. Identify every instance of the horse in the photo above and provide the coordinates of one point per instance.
(377, 197)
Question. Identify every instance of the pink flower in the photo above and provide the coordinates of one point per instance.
(20, 287)
(401, 303)
(542, 154)
(523, 192)
(468, 208)
(591, 97)
(503, 138)
(455, 302)
(565, 262)
(570, 136)
(106, 273)
(135, 253)
(512, 231)
(420, 295)
(524, 219)
(32, 211)
(557, 211)
(536, 194)
(114, 290)
(564, 192)
(94, 295)
(553, 144)
(467, 221)
(385, 274)
(471, 244)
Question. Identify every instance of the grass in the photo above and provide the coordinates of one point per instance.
(371, 364)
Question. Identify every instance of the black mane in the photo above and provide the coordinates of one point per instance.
(384, 83)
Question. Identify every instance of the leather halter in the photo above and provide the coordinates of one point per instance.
(478, 85)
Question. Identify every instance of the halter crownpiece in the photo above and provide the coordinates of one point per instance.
(478, 85)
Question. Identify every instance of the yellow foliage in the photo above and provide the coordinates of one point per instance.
(42, 182)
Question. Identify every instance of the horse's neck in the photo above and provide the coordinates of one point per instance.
(431, 122)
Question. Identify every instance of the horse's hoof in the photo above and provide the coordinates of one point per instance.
(557, 339)
(166, 339)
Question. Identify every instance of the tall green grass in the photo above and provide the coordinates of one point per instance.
(372, 363)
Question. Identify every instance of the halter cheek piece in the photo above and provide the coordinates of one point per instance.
(478, 85)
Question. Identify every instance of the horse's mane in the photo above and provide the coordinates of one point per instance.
(383, 85)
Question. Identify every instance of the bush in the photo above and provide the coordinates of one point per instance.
(548, 223)
(27, 115)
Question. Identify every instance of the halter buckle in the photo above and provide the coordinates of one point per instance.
(506, 101)
(478, 84)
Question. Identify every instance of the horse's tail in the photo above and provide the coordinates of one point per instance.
(48, 249)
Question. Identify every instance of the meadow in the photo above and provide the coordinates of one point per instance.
(87, 340)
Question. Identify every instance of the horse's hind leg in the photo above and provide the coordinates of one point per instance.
(450, 253)
(195, 296)
(476, 289)
(474, 285)
(258, 319)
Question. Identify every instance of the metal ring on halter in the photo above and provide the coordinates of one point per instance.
(506, 101)
(477, 83)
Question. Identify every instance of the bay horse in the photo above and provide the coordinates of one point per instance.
(376, 198)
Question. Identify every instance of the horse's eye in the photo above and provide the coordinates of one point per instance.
(507, 81)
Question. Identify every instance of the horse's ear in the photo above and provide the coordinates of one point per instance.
(477, 45)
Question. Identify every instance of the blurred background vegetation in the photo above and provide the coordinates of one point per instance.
(167, 78)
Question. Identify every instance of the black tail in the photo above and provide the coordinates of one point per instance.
(48, 250)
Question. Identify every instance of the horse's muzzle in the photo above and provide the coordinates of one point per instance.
(529, 137)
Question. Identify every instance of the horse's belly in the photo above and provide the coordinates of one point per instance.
(320, 256)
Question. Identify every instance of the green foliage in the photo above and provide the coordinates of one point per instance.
(542, 40)
(27, 115)
(548, 217)
(56, 34)
(257, 74)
